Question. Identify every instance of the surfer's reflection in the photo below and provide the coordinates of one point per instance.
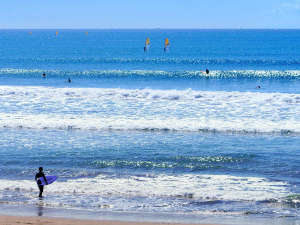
(40, 208)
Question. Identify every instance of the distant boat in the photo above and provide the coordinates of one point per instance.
(86, 33)
(167, 44)
(56, 33)
(30, 32)
(147, 44)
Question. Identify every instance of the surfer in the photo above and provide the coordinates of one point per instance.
(69, 80)
(39, 182)
(207, 71)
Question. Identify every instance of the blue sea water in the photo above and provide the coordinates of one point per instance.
(151, 132)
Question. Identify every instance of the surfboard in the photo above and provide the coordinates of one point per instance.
(50, 179)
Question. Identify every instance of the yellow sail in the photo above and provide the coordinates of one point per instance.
(56, 33)
(167, 43)
(147, 42)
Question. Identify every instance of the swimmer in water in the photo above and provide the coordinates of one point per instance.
(44, 75)
(69, 80)
(207, 71)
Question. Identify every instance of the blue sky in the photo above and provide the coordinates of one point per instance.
(150, 14)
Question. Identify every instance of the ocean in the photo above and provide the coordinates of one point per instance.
(150, 133)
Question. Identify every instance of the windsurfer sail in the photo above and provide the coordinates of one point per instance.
(147, 45)
(167, 44)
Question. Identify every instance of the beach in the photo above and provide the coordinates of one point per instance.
(14, 220)
(150, 135)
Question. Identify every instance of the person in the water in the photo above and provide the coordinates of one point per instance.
(44, 75)
(69, 80)
(39, 175)
(207, 71)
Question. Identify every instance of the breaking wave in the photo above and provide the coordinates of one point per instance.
(34, 73)
(149, 110)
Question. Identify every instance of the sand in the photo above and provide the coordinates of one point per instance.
(18, 220)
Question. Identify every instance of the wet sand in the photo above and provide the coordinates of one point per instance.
(18, 220)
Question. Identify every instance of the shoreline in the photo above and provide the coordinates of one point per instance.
(11, 214)
(25, 220)
(37, 215)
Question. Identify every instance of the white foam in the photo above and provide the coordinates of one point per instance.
(201, 187)
(154, 73)
(146, 109)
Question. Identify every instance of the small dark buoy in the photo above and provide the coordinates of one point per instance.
(44, 75)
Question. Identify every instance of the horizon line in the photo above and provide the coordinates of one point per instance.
(91, 28)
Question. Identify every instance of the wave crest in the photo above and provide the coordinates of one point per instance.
(288, 74)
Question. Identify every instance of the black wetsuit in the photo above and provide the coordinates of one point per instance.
(39, 183)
